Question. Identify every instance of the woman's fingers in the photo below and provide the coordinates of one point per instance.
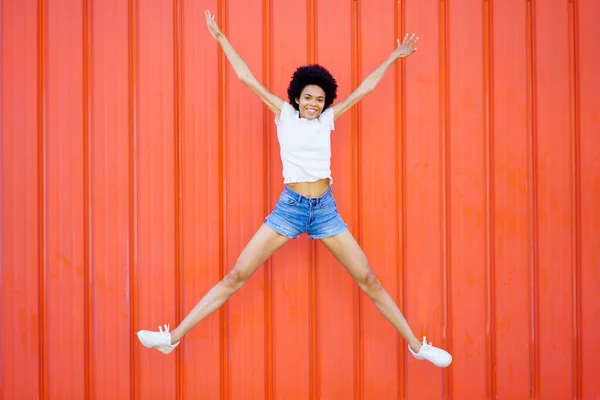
(404, 42)
(211, 23)
(414, 42)
(409, 41)
(210, 19)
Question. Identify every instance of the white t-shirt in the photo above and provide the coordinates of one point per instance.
(305, 145)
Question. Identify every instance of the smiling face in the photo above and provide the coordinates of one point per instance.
(311, 102)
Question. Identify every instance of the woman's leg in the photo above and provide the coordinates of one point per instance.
(348, 252)
(262, 245)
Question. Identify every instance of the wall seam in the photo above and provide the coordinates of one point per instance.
(42, 198)
(575, 119)
(2, 335)
(88, 236)
(268, 131)
(222, 104)
(133, 193)
(400, 179)
(356, 185)
(532, 217)
(445, 173)
(178, 201)
(488, 88)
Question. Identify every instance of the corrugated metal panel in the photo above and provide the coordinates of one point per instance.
(135, 167)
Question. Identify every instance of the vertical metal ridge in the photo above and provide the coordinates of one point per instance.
(268, 130)
(178, 203)
(488, 87)
(575, 119)
(88, 235)
(356, 156)
(445, 173)
(313, 345)
(311, 15)
(400, 179)
(267, 37)
(42, 72)
(532, 209)
(2, 336)
(222, 104)
(133, 193)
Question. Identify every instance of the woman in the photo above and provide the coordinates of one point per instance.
(306, 204)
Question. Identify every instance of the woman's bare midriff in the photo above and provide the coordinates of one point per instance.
(310, 189)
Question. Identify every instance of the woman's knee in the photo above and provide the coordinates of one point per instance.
(369, 283)
(235, 278)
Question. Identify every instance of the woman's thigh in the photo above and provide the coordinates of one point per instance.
(349, 253)
(261, 246)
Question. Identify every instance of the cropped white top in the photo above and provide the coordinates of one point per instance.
(305, 145)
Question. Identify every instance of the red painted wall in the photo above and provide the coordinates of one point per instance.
(135, 167)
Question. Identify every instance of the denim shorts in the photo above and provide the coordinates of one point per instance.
(295, 214)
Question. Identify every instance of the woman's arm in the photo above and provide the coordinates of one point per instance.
(241, 68)
(368, 85)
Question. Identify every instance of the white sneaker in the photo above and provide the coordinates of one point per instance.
(439, 357)
(160, 340)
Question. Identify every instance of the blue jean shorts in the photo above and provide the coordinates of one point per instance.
(295, 214)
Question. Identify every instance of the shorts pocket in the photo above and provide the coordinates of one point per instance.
(287, 200)
(328, 202)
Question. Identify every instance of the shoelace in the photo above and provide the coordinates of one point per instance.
(425, 346)
(166, 328)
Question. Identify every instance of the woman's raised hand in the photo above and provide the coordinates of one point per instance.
(213, 27)
(406, 48)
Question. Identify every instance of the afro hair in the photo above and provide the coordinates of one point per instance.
(312, 75)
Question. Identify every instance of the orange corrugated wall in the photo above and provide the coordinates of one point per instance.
(135, 167)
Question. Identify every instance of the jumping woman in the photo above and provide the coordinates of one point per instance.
(306, 204)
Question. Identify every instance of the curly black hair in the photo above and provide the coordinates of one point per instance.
(313, 74)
